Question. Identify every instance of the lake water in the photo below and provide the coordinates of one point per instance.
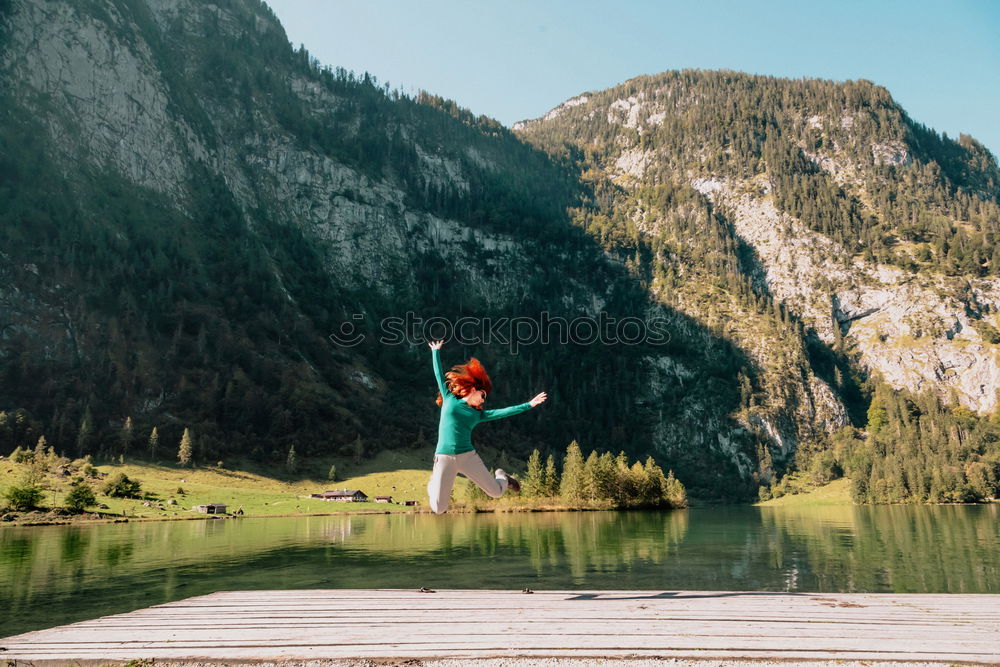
(59, 574)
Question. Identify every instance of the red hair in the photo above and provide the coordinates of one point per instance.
(465, 378)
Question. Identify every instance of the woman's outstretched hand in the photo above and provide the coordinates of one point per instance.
(538, 399)
(436, 344)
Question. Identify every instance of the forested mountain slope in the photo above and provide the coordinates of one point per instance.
(869, 236)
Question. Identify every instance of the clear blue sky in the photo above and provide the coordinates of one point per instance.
(516, 59)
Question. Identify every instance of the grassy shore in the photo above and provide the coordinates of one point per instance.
(837, 492)
(258, 490)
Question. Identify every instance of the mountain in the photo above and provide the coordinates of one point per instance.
(871, 237)
(189, 208)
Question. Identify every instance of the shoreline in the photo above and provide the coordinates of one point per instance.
(87, 518)
(170, 493)
(83, 519)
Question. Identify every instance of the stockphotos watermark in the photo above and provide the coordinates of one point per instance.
(513, 332)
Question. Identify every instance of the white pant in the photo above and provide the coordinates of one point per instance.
(446, 467)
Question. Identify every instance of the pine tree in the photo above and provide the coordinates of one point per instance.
(185, 449)
(606, 480)
(332, 474)
(624, 488)
(878, 416)
(590, 476)
(127, 435)
(641, 488)
(654, 484)
(534, 478)
(86, 433)
(674, 492)
(551, 477)
(154, 441)
(291, 462)
(571, 487)
(359, 450)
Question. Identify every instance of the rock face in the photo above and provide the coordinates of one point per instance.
(112, 87)
(113, 110)
(918, 330)
(112, 103)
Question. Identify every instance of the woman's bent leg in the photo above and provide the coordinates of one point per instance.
(441, 482)
(470, 465)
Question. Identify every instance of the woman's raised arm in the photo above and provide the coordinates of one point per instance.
(435, 346)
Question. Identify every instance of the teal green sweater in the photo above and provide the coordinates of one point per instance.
(458, 418)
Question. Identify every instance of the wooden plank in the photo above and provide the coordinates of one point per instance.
(388, 623)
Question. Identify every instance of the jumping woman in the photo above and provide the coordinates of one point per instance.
(462, 391)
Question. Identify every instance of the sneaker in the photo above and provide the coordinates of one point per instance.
(512, 483)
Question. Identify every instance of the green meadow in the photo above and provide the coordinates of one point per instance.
(837, 492)
(259, 490)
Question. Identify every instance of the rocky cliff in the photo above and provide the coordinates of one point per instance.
(920, 324)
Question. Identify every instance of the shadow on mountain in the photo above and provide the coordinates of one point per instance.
(212, 311)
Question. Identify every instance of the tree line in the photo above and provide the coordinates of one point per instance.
(918, 449)
(599, 480)
(914, 449)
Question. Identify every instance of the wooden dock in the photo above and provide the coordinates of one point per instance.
(382, 624)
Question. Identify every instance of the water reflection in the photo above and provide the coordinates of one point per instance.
(901, 549)
(53, 575)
